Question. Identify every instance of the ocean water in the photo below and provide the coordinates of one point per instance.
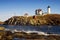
(45, 28)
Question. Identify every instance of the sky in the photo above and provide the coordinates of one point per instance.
(9, 8)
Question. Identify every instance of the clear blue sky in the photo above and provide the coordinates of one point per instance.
(9, 8)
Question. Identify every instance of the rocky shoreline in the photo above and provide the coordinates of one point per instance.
(49, 19)
(8, 35)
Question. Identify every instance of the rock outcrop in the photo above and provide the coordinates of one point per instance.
(49, 19)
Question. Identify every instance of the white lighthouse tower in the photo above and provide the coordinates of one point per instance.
(48, 10)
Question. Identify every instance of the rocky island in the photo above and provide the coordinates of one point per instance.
(49, 19)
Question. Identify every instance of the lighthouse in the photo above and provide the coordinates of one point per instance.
(48, 10)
